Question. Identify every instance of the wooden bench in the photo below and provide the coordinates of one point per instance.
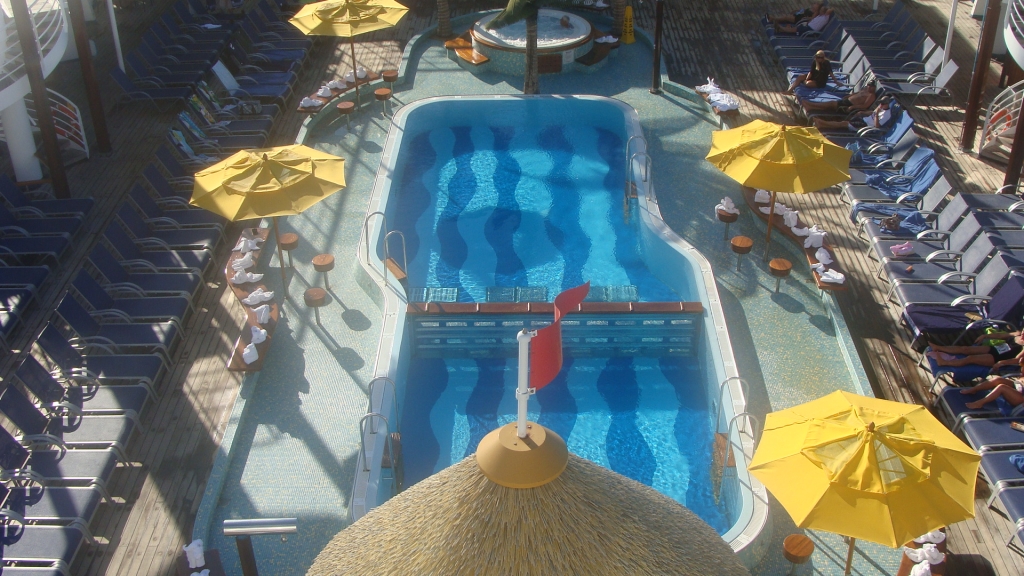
(780, 227)
(463, 47)
(235, 362)
(335, 92)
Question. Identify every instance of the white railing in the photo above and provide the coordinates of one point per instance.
(1001, 123)
(50, 20)
(67, 121)
(1013, 33)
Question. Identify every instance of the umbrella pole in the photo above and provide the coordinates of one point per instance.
(849, 557)
(771, 218)
(352, 45)
(280, 257)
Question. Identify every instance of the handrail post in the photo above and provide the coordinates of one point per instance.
(745, 388)
(366, 231)
(362, 436)
(728, 442)
(394, 393)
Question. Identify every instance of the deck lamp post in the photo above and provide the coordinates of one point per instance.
(659, 17)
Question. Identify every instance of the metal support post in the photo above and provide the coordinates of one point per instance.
(92, 87)
(659, 17)
(981, 64)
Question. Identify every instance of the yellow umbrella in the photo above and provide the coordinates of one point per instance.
(779, 159)
(270, 182)
(866, 468)
(348, 18)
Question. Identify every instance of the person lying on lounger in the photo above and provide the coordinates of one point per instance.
(815, 24)
(877, 118)
(818, 76)
(798, 16)
(860, 100)
(1001, 349)
(1008, 389)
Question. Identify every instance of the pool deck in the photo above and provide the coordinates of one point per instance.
(184, 428)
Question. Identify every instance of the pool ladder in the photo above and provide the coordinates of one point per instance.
(392, 457)
(630, 185)
(723, 445)
(390, 265)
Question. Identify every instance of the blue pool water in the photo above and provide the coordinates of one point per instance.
(532, 198)
(645, 418)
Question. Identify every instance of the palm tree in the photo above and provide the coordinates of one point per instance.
(517, 10)
(444, 20)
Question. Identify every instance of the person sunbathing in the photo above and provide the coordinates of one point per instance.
(995, 350)
(876, 119)
(798, 16)
(818, 75)
(860, 100)
(1009, 389)
(815, 24)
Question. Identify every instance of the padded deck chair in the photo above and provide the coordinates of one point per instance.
(60, 505)
(77, 401)
(935, 87)
(969, 261)
(171, 195)
(141, 285)
(38, 547)
(99, 368)
(28, 277)
(145, 236)
(949, 217)
(199, 112)
(907, 188)
(1012, 498)
(173, 219)
(900, 125)
(908, 168)
(65, 226)
(877, 155)
(178, 175)
(87, 432)
(20, 466)
(866, 214)
(154, 260)
(981, 287)
(1000, 473)
(143, 77)
(992, 434)
(220, 145)
(161, 98)
(953, 402)
(910, 71)
(22, 205)
(135, 338)
(29, 249)
(952, 325)
(161, 62)
(270, 40)
(132, 309)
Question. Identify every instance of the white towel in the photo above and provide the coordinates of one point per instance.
(780, 209)
(921, 569)
(600, 5)
(308, 102)
(927, 553)
(324, 92)
(833, 277)
(243, 262)
(709, 88)
(250, 354)
(258, 295)
(258, 334)
(819, 268)
(243, 277)
(247, 244)
(762, 196)
(727, 206)
(350, 77)
(360, 72)
(815, 237)
(723, 101)
(262, 313)
(203, 573)
(935, 536)
(791, 218)
(822, 255)
(335, 85)
(194, 554)
(800, 231)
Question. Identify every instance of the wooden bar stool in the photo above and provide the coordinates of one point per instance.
(346, 109)
(728, 218)
(780, 268)
(289, 242)
(324, 263)
(797, 548)
(389, 76)
(315, 298)
(383, 94)
(740, 245)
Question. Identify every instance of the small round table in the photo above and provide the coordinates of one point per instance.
(797, 548)
(289, 242)
(315, 298)
(383, 95)
(728, 218)
(324, 263)
(346, 109)
(740, 245)
(780, 268)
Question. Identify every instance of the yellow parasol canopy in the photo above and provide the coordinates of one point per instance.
(270, 182)
(872, 469)
(779, 158)
(347, 18)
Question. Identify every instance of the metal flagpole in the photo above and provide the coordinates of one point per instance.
(523, 391)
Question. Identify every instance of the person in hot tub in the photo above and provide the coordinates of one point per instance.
(995, 350)
(566, 22)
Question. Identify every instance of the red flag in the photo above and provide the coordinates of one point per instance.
(546, 346)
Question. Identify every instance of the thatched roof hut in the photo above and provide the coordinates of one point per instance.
(578, 518)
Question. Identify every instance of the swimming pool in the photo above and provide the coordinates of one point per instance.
(512, 199)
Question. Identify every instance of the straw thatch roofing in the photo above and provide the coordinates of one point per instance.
(589, 520)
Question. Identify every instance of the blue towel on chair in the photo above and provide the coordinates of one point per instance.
(911, 221)
(803, 93)
(1018, 461)
(1004, 407)
(859, 158)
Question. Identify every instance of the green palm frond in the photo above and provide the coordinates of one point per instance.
(517, 10)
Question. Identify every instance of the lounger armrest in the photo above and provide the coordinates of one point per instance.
(136, 264)
(179, 203)
(897, 178)
(264, 46)
(257, 57)
(1003, 189)
(22, 477)
(930, 234)
(89, 347)
(1016, 207)
(120, 291)
(271, 35)
(250, 69)
(889, 164)
(877, 146)
(969, 298)
(16, 229)
(47, 439)
(868, 131)
(944, 254)
(62, 408)
(167, 58)
(164, 221)
(955, 276)
(901, 53)
(111, 316)
(177, 48)
(10, 516)
(908, 198)
(932, 90)
(878, 25)
(912, 64)
(28, 212)
(914, 78)
(887, 35)
(128, 285)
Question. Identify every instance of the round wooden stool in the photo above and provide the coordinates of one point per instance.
(346, 109)
(780, 268)
(383, 94)
(289, 242)
(389, 76)
(324, 263)
(797, 548)
(740, 245)
(728, 218)
(315, 298)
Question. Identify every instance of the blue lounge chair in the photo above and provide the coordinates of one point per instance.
(220, 145)
(981, 287)
(167, 239)
(135, 338)
(892, 170)
(99, 368)
(970, 261)
(160, 98)
(22, 205)
(36, 505)
(897, 188)
(1012, 498)
(142, 285)
(65, 226)
(144, 77)
(20, 466)
(154, 260)
(77, 401)
(172, 309)
(27, 250)
(936, 87)
(172, 196)
(178, 174)
(992, 434)
(160, 62)
(31, 547)
(953, 403)
(175, 219)
(28, 277)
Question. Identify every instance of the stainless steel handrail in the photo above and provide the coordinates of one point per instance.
(629, 158)
(728, 442)
(49, 19)
(721, 398)
(387, 253)
(366, 236)
(362, 438)
(394, 397)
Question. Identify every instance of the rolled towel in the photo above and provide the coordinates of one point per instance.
(250, 354)
(308, 102)
(360, 72)
(247, 244)
(762, 196)
(926, 553)
(921, 569)
(257, 296)
(243, 277)
(791, 218)
(262, 313)
(833, 277)
(728, 206)
(819, 268)
(800, 231)
(336, 85)
(723, 101)
(780, 209)
(904, 249)
(709, 88)
(324, 92)
(815, 237)
(194, 554)
(933, 537)
(822, 255)
(258, 334)
(350, 77)
(205, 572)
(600, 5)
(243, 262)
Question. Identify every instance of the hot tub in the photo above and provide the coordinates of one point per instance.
(557, 45)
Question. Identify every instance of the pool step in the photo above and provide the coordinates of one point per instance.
(463, 47)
